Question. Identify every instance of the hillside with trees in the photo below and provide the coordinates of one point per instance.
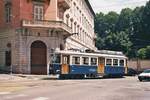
(128, 31)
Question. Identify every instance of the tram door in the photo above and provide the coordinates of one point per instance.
(101, 65)
(65, 64)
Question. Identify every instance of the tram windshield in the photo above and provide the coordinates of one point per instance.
(121, 62)
(56, 58)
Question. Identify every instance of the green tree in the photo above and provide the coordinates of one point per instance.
(118, 41)
(146, 22)
(105, 23)
(125, 21)
(111, 19)
(142, 53)
(148, 52)
(100, 43)
(137, 25)
(100, 24)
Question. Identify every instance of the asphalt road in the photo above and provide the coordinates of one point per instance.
(128, 88)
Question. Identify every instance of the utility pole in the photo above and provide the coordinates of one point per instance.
(138, 64)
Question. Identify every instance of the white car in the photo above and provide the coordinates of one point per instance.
(145, 75)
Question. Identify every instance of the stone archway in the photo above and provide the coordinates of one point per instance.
(38, 58)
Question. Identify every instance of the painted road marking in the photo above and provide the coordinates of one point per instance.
(40, 98)
(4, 93)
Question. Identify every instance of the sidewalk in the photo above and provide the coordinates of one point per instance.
(9, 77)
(19, 77)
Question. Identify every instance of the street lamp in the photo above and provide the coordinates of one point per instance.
(69, 35)
(66, 36)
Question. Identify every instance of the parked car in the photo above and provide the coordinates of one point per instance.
(145, 75)
(131, 72)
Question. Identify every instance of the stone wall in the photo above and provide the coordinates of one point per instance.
(139, 64)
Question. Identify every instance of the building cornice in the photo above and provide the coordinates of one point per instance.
(90, 7)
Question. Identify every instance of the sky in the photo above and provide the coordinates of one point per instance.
(115, 5)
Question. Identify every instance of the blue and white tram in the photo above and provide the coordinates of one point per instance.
(70, 64)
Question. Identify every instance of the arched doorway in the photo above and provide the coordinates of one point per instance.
(38, 58)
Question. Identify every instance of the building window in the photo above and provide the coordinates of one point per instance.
(75, 28)
(8, 58)
(8, 12)
(78, 30)
(67, 21)
(38, 12)
(71, 23)
(80, 34)
(62, 47)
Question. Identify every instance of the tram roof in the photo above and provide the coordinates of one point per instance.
(95, 54)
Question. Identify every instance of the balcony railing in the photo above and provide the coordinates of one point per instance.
(47, 24)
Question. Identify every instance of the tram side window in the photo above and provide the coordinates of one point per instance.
(93, 61)
(115, 62)
(121, 62)
(85, 60)
(108, 62)
(76, 60)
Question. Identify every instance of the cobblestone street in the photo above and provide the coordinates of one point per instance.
(128, 88)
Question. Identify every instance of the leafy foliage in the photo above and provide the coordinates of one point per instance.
(148, 52)
(118, 41)
(142, 53)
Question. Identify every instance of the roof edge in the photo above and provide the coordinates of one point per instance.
(90, 7)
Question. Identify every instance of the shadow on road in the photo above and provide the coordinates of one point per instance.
(48, 78)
